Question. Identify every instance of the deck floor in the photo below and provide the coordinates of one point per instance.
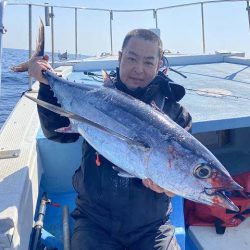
(211, 111)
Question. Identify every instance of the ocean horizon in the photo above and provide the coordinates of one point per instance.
(14, 84)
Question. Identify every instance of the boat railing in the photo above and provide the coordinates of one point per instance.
(49, 20)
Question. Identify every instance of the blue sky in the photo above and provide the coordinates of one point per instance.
(226, 25)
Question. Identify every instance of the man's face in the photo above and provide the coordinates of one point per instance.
(139, 62)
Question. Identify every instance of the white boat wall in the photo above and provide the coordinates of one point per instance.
(217, 86)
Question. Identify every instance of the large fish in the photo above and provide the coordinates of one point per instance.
(140, 140)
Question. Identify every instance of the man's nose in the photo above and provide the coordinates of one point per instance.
(139, 68)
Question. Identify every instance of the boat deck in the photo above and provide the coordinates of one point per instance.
(217, 97)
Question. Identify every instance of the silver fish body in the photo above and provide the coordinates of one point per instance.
(157, 148)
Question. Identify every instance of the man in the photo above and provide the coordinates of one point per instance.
(114, 212)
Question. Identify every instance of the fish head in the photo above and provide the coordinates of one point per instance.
(204, 177)
(214, 184)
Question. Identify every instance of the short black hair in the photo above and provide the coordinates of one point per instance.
(145, 34)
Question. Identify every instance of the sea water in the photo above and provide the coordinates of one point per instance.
(14, 84)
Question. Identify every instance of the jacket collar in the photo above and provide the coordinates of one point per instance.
(161, 83)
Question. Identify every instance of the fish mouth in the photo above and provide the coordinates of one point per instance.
(219, 197)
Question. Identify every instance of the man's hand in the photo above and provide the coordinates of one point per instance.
(37, 65)
(150, 184)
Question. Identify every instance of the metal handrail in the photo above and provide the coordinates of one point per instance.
(203, 29)
(248, 12)
(30, 40)
(112, 11)
(131, 10)
(198, 3)
(76, 33)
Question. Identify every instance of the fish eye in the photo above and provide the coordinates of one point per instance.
(203, 171)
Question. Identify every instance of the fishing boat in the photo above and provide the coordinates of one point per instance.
(63, 56)
(35, 198)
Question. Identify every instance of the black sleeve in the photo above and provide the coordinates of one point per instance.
(178, 114)
(50, 120)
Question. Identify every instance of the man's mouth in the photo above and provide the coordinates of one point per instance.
(136, 79)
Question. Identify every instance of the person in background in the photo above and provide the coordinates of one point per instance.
(113, 212)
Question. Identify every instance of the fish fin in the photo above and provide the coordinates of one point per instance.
(22, 67)
(122, 173)
(107, 81)
(82, 119)
(70, 129)
(153, 104)
(142, 143)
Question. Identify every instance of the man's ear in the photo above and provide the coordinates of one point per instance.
(119, 56)
(160, 64)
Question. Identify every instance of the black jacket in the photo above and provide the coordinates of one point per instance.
(119, 204)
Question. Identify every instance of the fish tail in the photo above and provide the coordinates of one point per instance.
(22, 67)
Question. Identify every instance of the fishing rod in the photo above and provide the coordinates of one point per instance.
(111, 73)
(215, 94)
(35, 243)
(166, 67)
